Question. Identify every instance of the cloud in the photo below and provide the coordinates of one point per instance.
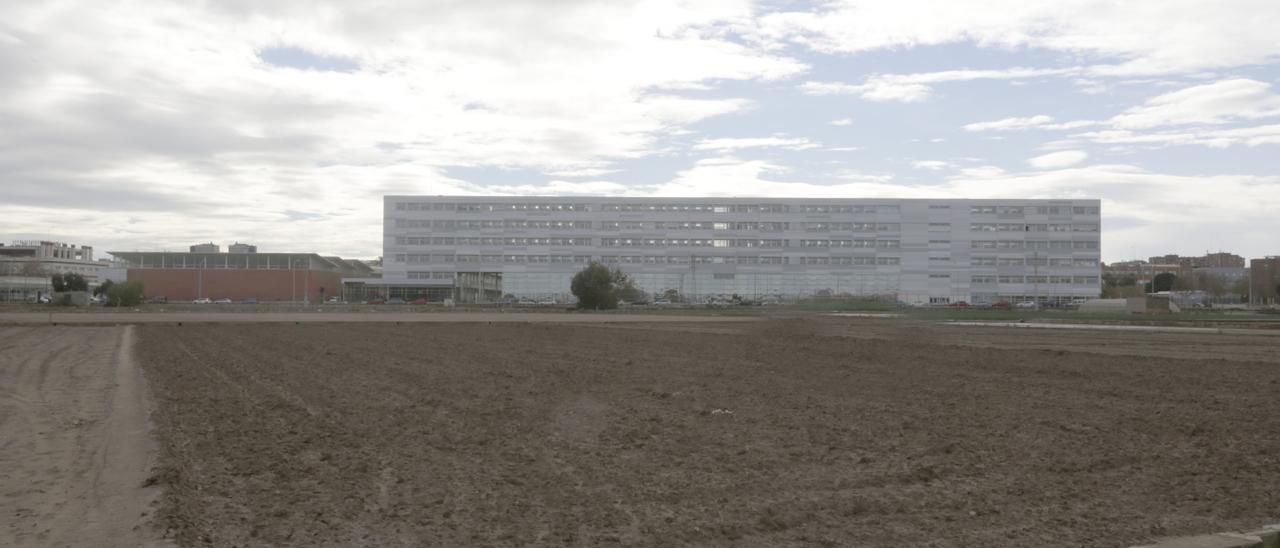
(731, 144)
(1214, 103)
(932, 165)
(841, 122)
(1008, 124)
(1121, 38)
(912, 88)
(1057, 160)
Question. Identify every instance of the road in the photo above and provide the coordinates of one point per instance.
(75, 447)
(391, 317)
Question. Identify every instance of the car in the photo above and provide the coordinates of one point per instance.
(662, 302)
(1027, 305)
(376, 301)
(419, 300)
(250, 300)
(335, 300)
(960, 304)
(202, 300)
(44, 299)
(224, 300)
(1001, 306)
(395, 301)
(548, 301)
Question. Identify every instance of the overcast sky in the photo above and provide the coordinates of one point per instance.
(145, 126)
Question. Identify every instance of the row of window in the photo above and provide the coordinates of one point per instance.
(1021, 210)
(691, 242)
(475, 208)
(492, 241)
(881, 244)
(430, 275)
(1033, 244)
(475, 224)
(1032, 261)
(650, 259)
(460, 258)
(1076, 280)
(738, 208)
(1020, 227)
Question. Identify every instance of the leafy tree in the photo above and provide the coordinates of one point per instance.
(597, 287)
(671, 295)
(103, 288)
(59, 284)
(75, 282)
(1164, 281)
(124, 294)
(624, 288)
(593, 286)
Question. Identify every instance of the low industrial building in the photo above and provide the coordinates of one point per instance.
(239, 275)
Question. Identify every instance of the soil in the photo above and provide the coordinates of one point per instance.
(75, 451)
(771, 433)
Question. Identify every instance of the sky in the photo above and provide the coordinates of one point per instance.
(139, 125)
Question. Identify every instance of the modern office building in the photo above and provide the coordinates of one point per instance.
(477, 249)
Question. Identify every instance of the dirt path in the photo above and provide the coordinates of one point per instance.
(75, 448)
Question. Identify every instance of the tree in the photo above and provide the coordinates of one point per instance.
(671, 295)
(593, 286)
(59, 284)
(124, 294)
(75, 282)
(1163, 282)
(624, 288)
(103, 288)
(597, 287)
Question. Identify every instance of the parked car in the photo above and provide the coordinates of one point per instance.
(158, 300)
(395, 301)
(662, 302)
(250, 300)
(204, 300)
(224, 300)
(419, 300)
(376, 301)
(44, 299)
(960, 304)
(334, 300)
(1001, 306)
(1027, 305)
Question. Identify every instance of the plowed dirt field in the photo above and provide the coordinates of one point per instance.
(762, 434)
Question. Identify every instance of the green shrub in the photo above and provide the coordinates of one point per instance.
(125, 294)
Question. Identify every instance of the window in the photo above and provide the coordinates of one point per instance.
(982, 210)
(983, 261)
(982, 279)
(939, 275)
(1010, 279)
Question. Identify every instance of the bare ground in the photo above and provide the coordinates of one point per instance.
(772, 433)
(75, 449)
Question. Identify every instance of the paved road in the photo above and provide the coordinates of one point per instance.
(250, 317)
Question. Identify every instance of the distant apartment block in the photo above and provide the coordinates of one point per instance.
(1264, 281)
(918, 251)
(1209, 260)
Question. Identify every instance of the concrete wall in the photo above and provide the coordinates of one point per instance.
(264, 285)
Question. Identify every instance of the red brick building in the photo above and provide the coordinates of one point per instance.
(294, 277)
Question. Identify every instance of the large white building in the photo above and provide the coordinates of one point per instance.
(26, 267)
(917, 251)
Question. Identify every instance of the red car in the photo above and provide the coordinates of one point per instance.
(418, 301)
(960, 304)
(377, 301)
(1001, 306)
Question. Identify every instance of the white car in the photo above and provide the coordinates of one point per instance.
(205, 300)
(1026, 305)
(222, 301)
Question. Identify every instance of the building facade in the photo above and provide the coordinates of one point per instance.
(1264, 281)
(285, 277)
(26, 267)
(917, 251)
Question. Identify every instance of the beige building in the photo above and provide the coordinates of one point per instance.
(26, 267)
